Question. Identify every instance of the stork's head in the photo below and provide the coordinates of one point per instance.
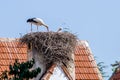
(59, 29)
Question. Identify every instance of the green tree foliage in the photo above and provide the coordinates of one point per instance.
(115, 66)
(101, 68)
(21, 71)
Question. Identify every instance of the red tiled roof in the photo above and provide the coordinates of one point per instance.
(9, 51)
(66, 72)
(85, 65)
(116, 74)
(50, 72)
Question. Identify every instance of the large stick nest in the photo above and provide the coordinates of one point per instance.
(55, 47)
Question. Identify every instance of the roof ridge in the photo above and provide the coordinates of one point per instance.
(9, 39)
(83, 42)
(51, 69)
(66, 72)
(49, 72)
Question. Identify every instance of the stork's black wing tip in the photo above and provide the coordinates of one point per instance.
(29, 20)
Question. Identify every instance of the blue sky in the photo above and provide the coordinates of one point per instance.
(97, 21)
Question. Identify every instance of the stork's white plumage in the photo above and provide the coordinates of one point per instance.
(37, 22)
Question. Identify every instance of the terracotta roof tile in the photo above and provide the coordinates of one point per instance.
(49, 72)
(9, 51)
(116, 74)
(85, 65)
(66, 72)
(51, 69)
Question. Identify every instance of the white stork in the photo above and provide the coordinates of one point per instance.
(37, 22)
(60, 29)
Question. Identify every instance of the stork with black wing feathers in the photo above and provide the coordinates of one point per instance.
(37, 22)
